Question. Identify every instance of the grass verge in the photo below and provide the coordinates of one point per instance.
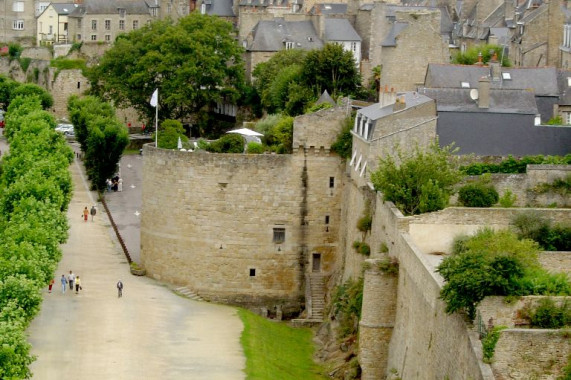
(277, 351)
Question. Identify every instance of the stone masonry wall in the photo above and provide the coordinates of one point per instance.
(221, 224)
(531, 354)
(66, 84)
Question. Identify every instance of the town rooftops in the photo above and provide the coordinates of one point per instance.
(222, 8)
(396, 29)
(273, 35)
(411, 99)
(501, 101)
(329, 9)
(541, 80)
(64, 8)
(110, 7)
(340, 29)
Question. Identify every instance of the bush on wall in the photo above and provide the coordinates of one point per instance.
(478, 194)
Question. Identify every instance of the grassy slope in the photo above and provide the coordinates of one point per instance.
(277, 351)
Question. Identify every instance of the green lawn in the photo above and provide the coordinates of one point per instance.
(277, 351)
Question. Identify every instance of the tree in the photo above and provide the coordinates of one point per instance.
(417, 182)
(194, 63)
(169, 133)
(29, 89)
(331, 68)
(470, 56)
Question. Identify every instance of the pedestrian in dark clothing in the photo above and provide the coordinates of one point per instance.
(93, 212)
(119, 289)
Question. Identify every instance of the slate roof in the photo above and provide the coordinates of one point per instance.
(564, 87)
(412, 99)
(222, 8)
(110, 7)
(271, 35)
(339, 29)
(501, 101)
(325, 98)
(534, 13)
(543, 80)
(329, 9)
(64, 8)
(267, 3)
(396, 29)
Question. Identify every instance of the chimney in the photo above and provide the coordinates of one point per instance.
(480, 62)
(387, 98)
(495, 68)
(484, 92)
(509, 9)
(400, 103)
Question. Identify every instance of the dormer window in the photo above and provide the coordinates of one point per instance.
(465, 84)
(122, 12)
(289, 45)
(506, 76)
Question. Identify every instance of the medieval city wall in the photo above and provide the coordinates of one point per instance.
(221, 224)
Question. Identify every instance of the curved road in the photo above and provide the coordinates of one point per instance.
(150, 333)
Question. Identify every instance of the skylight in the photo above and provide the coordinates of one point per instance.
(465, 84)
(506, 76)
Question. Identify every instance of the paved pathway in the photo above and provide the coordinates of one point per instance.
(150, 333)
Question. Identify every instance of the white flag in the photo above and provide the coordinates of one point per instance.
(155, 98)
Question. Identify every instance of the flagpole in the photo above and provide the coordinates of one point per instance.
(157, 124)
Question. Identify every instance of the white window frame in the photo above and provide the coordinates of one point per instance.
(353, 158)
(17, 6)
(135, 24)
(107, 25)
(363, 169)
(18, 25)
(94, 25)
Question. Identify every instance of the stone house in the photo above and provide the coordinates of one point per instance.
(174, 9)
(18, 21)
(53, 23)
(404, 40)
(103, 20)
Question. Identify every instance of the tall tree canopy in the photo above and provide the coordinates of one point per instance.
(193, 63)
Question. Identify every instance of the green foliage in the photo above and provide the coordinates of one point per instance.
(495, 263)
(101, 136)
(365, 223)
(470, 57)
(7, 86)
(478, 194)
(62, 63)
(557, 120)
(347, 306)
(255, 148)
(25, 63)
(490, 341)
(566, 375)
(560, 186)
(547, 315)
(230, 143)
(202, 144)
(344, 143)
(513, 165)
(389, 265)
(422, 182)
(76, 46)
(278, 132)
(169, 133)
(508, 199)
(319, 107)
(531, 225)
(14, 51)
(36, 189)
(30, 89)
(194, 63)
(275, 350)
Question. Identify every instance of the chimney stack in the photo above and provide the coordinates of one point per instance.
(495, 68)
(387, 98)
(400, 103)
(484, 92)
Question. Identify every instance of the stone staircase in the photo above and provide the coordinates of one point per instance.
(317, 294)
(186, 292)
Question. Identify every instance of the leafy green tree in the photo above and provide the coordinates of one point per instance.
(82, 110)
(169, 133)
(279, 88)
(7, 87)
(470, 57)
(417, 182)
(194, 63)
(344, 143)
(332, 69)
(29, 89)
(230, 143)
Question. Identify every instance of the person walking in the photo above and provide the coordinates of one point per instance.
(120, 185)
(77, 285)
(70, 280)
(52, 281)
(63, 283)
(120, 289)
(93, 212)
(85, 213)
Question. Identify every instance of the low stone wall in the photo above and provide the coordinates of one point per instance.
(556, 261)
(531, 354)
(42, 53)
(509, 314)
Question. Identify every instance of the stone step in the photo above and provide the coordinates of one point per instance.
(186, 292)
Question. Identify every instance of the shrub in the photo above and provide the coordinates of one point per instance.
(25, 63)
(470, 56)
(347, 305)
(490, 341)
(230, 143)
(343, 145)
(389, 265)
(362, 248)
(419, 181)
(508, 199)
(319, 107)
(478, 195)
(255, 148)
(547, 315)
(513, 165)
(531, 225)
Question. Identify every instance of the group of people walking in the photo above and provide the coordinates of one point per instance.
(87, 212)
(72, 281)
(115, 184)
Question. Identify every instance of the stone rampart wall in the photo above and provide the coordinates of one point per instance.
(424, 336)
(531, 354)
(220, 224)
(319, 129)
